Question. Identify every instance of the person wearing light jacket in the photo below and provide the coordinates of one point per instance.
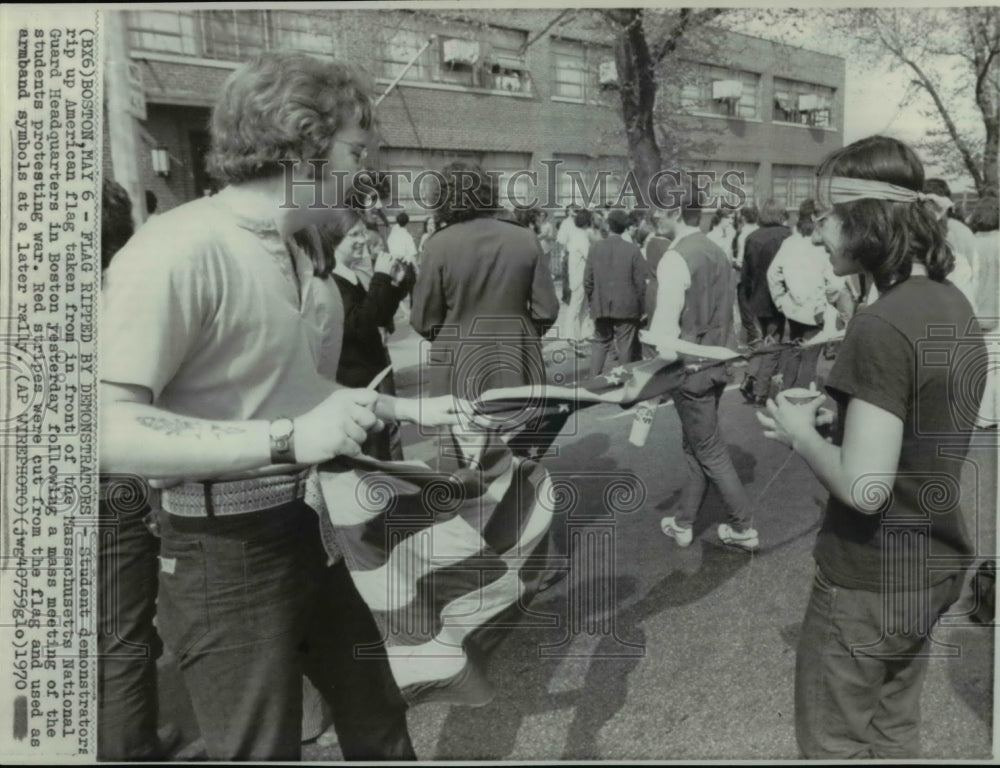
(802, 286)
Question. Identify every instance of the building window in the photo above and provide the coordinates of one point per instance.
(791, 184)
(711, 90)
(398, 48)
(802, 103)
(578, 180)
(719, 194)
(306, 31)
(581, 71)
(163, 32)
(490, 59)
(231, 35)
(234, 35)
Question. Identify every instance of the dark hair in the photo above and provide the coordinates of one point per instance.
(771, 214)
(804, 223)
(937, 187)
(618, 221)
(748, 213)
(466, 192)
(116, 220)
(885, 237)
(717, 218)
(282, 106)
(642, 233)
(527, 217)
(985, 215)
(687, 202)
(940, 187)
(403, 219)
(583, 218)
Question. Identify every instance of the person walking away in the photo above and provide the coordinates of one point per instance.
(761, 248)
(747, 225)
(614, 283)
(694, 316)
(484, 280)
(566, 227)
(865, 641)
(580, 326)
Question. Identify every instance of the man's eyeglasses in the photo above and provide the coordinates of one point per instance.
(820, 217)
(360, 151)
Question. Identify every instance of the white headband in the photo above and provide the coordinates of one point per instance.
(832, 190)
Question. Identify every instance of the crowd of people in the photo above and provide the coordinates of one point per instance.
(243, 342)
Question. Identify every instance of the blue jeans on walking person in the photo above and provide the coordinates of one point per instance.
(707, 458)
(248, 605)
(860, 667)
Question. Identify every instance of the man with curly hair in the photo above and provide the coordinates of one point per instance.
(221, 335)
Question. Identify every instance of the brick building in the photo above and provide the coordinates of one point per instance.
(501, 87)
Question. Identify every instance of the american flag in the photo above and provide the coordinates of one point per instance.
(445, 560)
(449, 557)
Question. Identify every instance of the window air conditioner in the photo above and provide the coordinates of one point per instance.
(726, 89)
(607, 73)
(809, 102)
(460, 51)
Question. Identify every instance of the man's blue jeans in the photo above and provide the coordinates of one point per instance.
(707, 458)
(248, 605)
(127, 640)
(860, 666)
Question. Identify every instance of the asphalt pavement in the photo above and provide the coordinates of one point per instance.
(649, 651)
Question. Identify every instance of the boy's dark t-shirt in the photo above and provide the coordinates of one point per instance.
(911, 354)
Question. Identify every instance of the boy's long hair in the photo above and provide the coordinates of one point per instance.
(282, 106)
(886, 238)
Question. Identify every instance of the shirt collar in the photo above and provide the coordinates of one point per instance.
(252, 213)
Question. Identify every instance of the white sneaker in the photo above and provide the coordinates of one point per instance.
(746, 540)
(678, 533)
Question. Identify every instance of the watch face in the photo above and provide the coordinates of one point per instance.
(281, 429)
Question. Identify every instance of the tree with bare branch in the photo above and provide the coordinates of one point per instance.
(953, 57)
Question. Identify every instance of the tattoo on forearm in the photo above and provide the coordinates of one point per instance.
(178, 426)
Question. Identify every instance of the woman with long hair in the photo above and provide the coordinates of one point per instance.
(906, 383)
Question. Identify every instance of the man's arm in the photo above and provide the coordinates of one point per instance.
(139, 438)
(639, 273)
(673, 279)
(544, 309)
(588, 274)
(428, 310)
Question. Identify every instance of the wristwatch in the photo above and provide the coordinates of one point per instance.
(282, 433)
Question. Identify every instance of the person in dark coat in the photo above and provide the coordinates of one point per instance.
(614, 282)
(761, 248)
(484, 296)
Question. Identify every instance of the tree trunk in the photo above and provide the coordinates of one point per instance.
(638, 96)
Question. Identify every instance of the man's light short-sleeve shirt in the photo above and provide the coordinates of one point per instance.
(202, 308)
